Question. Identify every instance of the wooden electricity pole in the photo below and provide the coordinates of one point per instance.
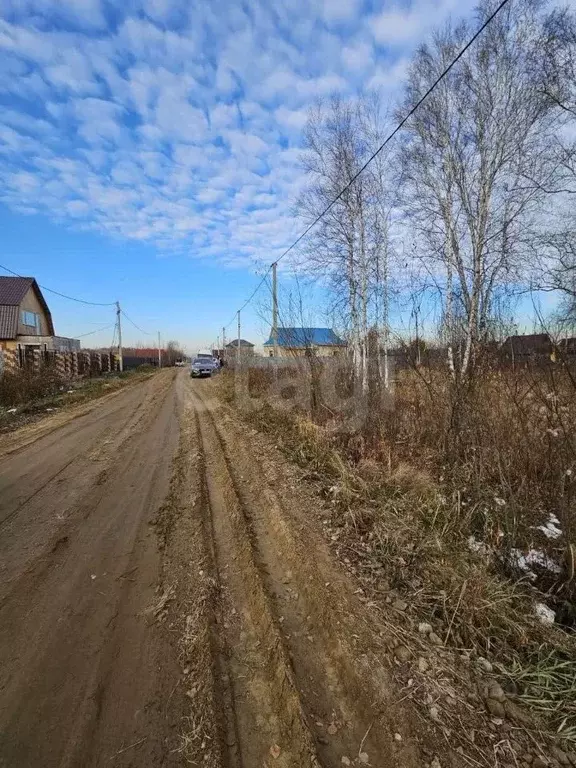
(238, 343)
(275, 309)
(120, 358)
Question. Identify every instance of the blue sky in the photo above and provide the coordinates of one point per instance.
(149, 149)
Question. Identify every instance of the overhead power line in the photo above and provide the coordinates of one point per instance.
(104, 328)
(63, 295)
(254, 292)
(375, 154)
(146, 333)
(398, 128)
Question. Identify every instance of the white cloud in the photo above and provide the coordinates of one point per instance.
(245, 143)
(340, 10)
(25, 122)
(400, 25)
(390, 79)
(86, 14)
(358, 57)
(396, 26)
(293, 118)
(182, 123)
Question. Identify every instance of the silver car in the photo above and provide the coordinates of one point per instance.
(202, 367)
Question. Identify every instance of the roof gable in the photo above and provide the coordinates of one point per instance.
(305, 337)
(12, 292)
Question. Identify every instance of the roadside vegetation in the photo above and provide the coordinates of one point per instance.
(27, 395)
(465, 526)
(448, 462)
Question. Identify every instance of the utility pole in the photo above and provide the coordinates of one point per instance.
(120, 359)
(275, 309)
(223, 343)
(238, 343)
(159, 352)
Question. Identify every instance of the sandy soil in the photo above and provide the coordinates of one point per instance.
(165, 600)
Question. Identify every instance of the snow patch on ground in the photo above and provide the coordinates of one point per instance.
(551, 529)
(526, 560)
(544, 613)
(480, 547)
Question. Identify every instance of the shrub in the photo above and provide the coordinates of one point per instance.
(23, 386)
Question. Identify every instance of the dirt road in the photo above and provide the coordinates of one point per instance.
(165, 600)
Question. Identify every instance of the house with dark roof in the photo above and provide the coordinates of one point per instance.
(25, 319)
(529, 345)
(246, 347)
(321, 342)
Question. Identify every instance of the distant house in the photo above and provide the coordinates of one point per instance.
(528, 345)
(538, 346)
(246, 347)
(323, 342)
(25, 320)
(567, 347)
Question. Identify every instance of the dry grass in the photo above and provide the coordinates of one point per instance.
(25, 385)
(493, 462)
(33, 394)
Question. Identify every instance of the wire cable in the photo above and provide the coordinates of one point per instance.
(104, 328)
(375, 154)
(254, 292)
(399, 127)
(146, 333)
(63, 295)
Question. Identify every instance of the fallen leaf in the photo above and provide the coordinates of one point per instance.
(275, 751)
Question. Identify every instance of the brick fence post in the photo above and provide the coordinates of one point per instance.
(73, 365)
(13, 360)
(84, 363)
(59, 363)
(66, 358)
(96, 363)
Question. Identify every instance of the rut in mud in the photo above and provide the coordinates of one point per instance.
(308, 687)
(165, 601)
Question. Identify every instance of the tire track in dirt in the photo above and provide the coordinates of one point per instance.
(345, 690)
(268, 723)
(209, 736)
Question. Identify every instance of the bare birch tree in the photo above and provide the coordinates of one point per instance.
(477, 156)
(554, 255)
(349, 246)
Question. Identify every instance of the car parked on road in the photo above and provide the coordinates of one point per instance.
(202, 367)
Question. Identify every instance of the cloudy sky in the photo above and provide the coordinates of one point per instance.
(151, 153)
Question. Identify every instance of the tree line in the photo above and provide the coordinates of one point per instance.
(472, 206)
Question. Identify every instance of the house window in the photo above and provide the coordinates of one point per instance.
(31, 319)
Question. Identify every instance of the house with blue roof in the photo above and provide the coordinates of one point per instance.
(322, 342)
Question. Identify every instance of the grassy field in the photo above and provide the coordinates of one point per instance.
(460, 502)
